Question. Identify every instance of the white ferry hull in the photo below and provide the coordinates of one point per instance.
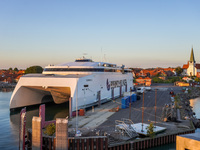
(91, 89)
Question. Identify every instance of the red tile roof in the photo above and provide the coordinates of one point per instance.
(18, 77)
(169, 69)
(185, 66)
(21, 72)
(197, 66)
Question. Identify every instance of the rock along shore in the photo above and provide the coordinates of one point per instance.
(185, 107)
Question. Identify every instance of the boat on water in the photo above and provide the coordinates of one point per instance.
(83, 82)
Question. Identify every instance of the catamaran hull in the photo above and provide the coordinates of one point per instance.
(86, 90)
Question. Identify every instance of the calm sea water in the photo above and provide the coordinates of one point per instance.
(9, 123)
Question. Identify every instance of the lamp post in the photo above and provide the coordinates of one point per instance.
(76, 105)
(130, 106)
(142, 112)
(155, 105)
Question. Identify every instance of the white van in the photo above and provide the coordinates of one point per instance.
(140, 90)
(147, 88)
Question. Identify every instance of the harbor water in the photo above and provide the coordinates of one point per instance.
(9, 122)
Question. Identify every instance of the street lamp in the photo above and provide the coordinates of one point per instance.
(76, 105)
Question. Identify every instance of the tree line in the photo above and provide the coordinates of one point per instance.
(32, 69)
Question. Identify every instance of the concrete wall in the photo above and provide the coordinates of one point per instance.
(183, 143)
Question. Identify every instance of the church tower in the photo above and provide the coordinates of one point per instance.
(191, 71)
(192, 57)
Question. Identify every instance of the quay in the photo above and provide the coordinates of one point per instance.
(98, 124)
(103, 119)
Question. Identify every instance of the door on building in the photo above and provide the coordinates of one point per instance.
(112, 93)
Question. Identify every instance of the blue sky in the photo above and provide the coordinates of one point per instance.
(142, 33)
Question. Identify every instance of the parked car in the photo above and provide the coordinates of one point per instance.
(147, 88)
(140, 90)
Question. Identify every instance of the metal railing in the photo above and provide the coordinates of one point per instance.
(127, 121)
(125, 128)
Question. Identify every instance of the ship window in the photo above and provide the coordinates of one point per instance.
(85, 70)
(76, 69)
(83, 60)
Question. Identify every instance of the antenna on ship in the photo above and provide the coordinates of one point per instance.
(84, 55)
(101, 54)
(104, 58)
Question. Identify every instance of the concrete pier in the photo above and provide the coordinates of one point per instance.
(61, 134)
(104, 119)
(36, 133)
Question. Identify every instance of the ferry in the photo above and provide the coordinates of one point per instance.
(82, 83)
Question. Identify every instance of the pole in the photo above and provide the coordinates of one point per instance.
(142, 111)
(20, 129)
(84, 98)
(24, 128)
(77, 104)
(155, 105)
(130, 107)
(129, 111)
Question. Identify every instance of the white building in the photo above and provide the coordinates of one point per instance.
(191, 68)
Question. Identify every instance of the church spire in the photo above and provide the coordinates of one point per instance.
(192, 56)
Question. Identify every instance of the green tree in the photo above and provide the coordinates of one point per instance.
(50, 129)
(150, 130)
(34, 69)
(10, 68)
(157, 80)
(178, 70)
(197, 79)
(15, 69)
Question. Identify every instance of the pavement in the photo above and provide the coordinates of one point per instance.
(97, 115)
(104, 117)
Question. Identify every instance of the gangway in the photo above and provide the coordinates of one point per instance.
(124, 126)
